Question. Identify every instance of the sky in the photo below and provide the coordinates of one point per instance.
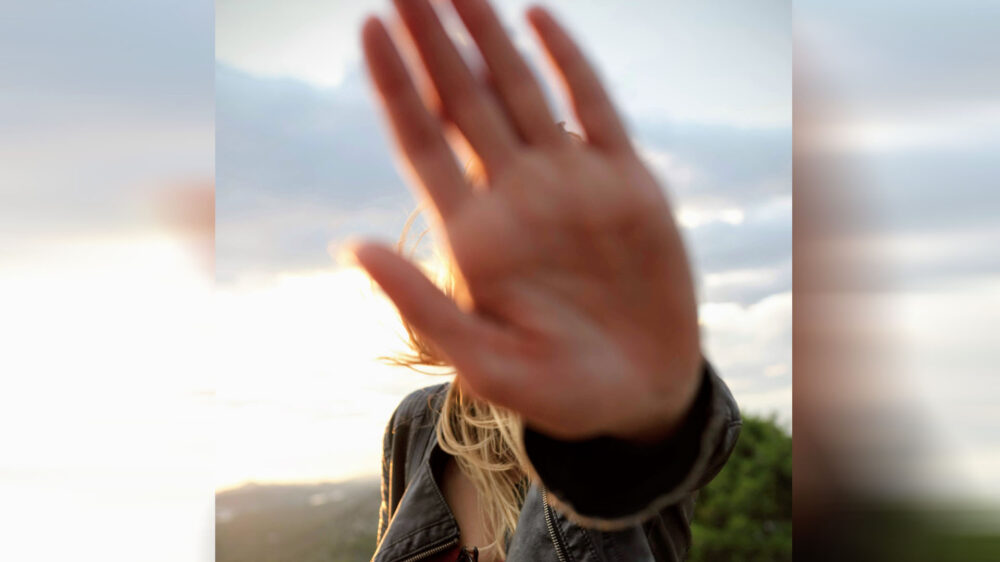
(303, 162)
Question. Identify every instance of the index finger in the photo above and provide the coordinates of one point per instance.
(417, 132)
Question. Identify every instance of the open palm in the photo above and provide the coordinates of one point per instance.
(581, 313)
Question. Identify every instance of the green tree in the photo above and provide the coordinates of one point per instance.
(745, 513)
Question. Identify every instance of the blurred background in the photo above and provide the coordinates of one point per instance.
(304, 162)
(186, 373)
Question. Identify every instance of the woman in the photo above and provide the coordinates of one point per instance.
(582, 417)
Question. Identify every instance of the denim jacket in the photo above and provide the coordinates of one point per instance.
(602, 499)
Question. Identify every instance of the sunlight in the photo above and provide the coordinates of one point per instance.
(303, 397)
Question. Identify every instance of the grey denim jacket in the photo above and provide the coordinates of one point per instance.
(598, 500)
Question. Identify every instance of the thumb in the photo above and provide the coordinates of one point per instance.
(471, 344)
(421, 303)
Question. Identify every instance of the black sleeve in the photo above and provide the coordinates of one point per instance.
(609, 482)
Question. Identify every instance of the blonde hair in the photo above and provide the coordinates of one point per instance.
(485, 440)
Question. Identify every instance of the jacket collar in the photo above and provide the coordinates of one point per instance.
(423, 520)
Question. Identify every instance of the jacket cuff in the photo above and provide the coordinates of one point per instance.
(611, 483)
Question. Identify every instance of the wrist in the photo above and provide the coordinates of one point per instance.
(667, 409)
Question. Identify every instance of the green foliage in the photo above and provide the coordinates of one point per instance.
(745, 513)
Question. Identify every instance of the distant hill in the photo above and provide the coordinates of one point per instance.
(328, 522)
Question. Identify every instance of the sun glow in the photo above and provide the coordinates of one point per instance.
(302, 394)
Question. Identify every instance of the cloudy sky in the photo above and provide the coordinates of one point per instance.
(303, 162)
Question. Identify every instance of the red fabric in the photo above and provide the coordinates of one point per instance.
(447, 556)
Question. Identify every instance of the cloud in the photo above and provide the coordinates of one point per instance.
(746, 286)
(731, 190)
(749, 347)
(727, 62)
(719, 165)
(299, 167)
(763, 239)
(307, 40)
(296, 168)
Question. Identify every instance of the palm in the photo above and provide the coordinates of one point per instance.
(580, 295)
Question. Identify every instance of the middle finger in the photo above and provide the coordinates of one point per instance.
(464, 99)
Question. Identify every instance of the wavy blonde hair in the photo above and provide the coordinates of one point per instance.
(485, 440)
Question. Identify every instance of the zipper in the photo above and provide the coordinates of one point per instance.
(560, 549)
(431, 552)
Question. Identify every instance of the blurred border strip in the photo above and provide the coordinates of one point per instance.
(106, 264)
(897, 127)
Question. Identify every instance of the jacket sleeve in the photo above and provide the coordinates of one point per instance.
(609, 483)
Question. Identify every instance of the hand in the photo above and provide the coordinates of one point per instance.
(581, 313)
